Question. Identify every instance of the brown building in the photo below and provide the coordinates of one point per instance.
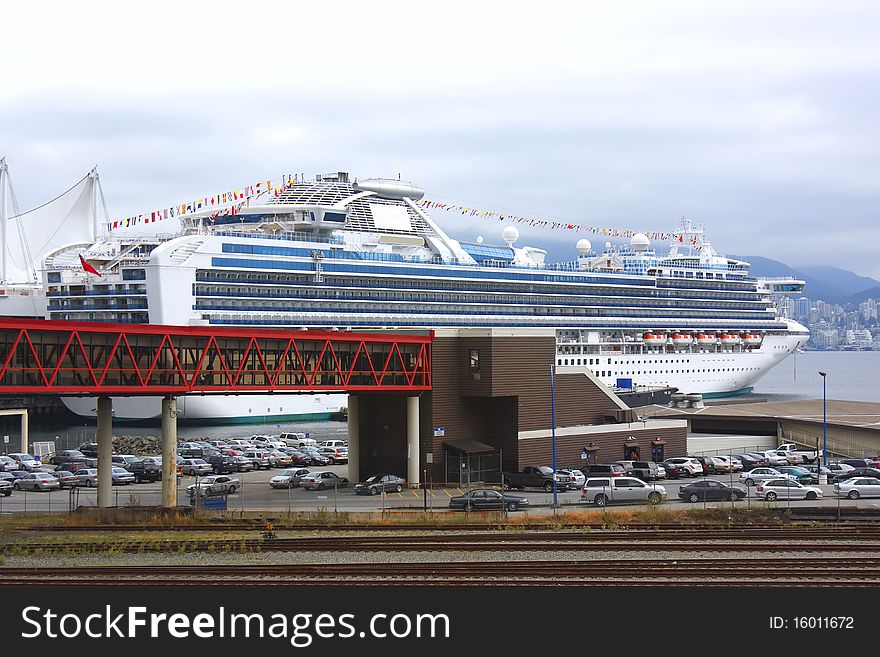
(491, 401)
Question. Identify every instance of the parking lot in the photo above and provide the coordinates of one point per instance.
(255, 494)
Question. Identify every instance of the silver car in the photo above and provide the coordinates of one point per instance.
(196, 467)
(289, 478)
(757, 475)
(787, 489)
(25, 462)
(858, 487)
(37, 481)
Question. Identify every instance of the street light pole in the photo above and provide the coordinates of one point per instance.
(824, 421)
(553, 427)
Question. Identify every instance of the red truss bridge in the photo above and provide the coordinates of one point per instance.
(80, 358)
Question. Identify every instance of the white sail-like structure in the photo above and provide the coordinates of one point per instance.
(29, 236)
(26, 238)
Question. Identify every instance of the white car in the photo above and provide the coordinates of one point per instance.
(297, 439)
(26, 462)
(578, 478)
(761, 474)
(790, 489)
(693, 466)
(215, 485)
(858, 487)
(333, 443)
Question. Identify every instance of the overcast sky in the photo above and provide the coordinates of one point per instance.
(758, 119)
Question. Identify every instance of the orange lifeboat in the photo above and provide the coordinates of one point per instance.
(654, 340)
(729, 338)
(752, 339)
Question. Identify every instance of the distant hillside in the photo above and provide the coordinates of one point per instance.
(864, 295)
(816, 287)
(842, 279)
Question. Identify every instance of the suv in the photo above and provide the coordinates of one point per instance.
(259, 458)
(222, 464)
(609, 470)
(297, 439)
(333, 443)
(693, 467)
(335, 454)
(145, 470)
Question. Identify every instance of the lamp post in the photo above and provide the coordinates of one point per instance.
(824, 422)
(553, 427)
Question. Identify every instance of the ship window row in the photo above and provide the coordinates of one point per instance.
(402, 271)
(411, 283)
(374, 321)
(607, 373)
(417, 297)
(457, 309)
(126, 317)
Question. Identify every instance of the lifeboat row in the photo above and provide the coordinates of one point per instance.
(703, 339)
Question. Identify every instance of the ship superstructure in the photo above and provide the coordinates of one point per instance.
(364, 255)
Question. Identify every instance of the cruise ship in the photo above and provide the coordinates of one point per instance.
(345, 254)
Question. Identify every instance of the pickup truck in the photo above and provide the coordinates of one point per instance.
(795, 455)
(535, 476)
(602, 491)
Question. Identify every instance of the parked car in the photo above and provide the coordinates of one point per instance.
(802, 475)
(289, 478)
(772, 489)
(604, 490)
(26, 461)
(315, 457)
(36, 481)
(858, 487)
(759, 474)
(484, 499)
(333, 443)
(693, 467)
(214, 485)
(297, 458)
(720, 464)
(145, 469)
(749, 461)
(323, 480)
(606, 469)
(380, 483)
(66, 479)
(857, 472)
(222, 464)
(259, 459)
(66, 456)
(123, 460)
(89, 449)
(194, 467)
(856, 463)
(297, 439)
(709, 490)
(5, 488)
(244, 463)
(6, 476)
(535, 476)
(335, 454)
(8, 464)
(576, 477)
(18, 474)
(707, 463)
(121, 477)
(674, 470)
(644, 470)
(776, 459)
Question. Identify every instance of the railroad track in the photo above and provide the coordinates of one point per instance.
(835, 572)
(855, 539)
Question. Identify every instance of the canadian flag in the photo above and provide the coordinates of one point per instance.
(87, 266)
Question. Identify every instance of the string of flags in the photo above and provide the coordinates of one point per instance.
(543, 223)
(226, 203)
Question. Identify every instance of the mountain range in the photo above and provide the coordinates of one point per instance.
(830, 284)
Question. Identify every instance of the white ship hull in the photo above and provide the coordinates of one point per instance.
(220, 409)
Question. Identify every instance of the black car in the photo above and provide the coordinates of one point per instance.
(707, 463)
(89, 449)
(674, 470)
(315, 457)
(144, 470)
(380, 483)
(223, 464)
(857, 463)
(749, 462)
(709, 490)
(482, 499)
(857, 472)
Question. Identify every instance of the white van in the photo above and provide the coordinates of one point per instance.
(333, 443)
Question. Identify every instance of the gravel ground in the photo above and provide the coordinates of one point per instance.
(205, 559)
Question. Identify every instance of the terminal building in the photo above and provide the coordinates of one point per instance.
(492, 404)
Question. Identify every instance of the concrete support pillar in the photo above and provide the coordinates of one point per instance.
(104, 438)
(24, 432)
(413, 475)
(169, 452)
(354, 438)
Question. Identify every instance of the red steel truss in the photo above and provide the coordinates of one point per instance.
(80, 358)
